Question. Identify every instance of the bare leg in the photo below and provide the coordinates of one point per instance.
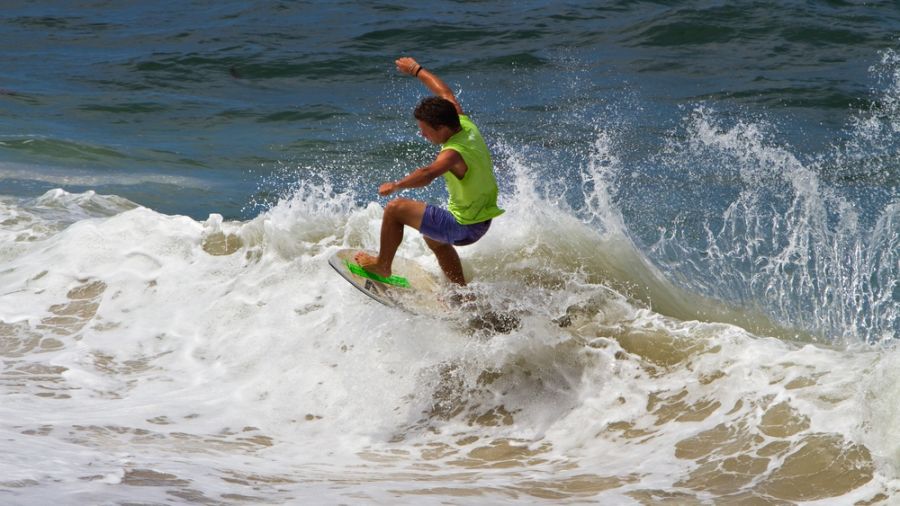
(397, 214)
(448, 259)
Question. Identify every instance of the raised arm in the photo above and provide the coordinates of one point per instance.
(434, 83)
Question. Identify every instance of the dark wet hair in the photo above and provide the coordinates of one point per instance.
(437, 112)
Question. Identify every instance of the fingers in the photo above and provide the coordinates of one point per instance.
(403, 65)
(386, 189)
(406, 65)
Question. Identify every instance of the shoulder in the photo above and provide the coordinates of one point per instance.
(467, 124)
(450, 159)
(450, 153)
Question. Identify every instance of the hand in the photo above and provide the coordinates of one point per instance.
(387, 188)
(407, 65)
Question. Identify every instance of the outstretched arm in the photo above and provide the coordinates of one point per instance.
(447, 160)
(434, 83)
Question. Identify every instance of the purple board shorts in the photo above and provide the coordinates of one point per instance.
(440, 225)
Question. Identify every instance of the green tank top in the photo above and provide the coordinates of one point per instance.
(473, 199)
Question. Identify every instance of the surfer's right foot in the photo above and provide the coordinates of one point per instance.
(370, 263)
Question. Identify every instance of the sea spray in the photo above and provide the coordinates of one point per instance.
(789, 243)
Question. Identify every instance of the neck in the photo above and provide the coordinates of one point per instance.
(451, 133)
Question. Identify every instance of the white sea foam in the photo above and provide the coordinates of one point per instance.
(149, 368)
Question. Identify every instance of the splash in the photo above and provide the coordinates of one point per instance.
(793, 243)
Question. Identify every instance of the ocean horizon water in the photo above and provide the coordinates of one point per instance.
(701, 246)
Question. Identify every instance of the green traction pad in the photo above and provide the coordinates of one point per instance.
(392, 280)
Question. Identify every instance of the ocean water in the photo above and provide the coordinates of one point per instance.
(701, 245)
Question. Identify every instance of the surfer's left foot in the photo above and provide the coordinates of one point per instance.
(370, 263)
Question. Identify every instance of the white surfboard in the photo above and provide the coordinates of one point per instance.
(415, 290)
(410, 287)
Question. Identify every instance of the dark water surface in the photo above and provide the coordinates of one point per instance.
(142, 95)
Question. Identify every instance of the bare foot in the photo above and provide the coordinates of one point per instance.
(371, 264)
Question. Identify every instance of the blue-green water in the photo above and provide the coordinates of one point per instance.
(183, 106)
(727, 169)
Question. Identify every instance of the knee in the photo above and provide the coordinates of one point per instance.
(395, 207)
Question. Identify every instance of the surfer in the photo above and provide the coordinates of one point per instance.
(465, 163)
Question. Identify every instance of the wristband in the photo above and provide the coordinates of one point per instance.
(417, 71)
